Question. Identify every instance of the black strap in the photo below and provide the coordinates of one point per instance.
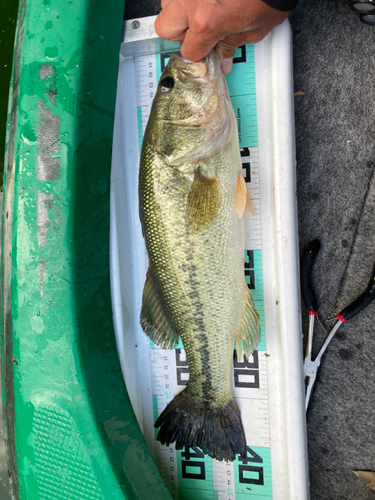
(284, 5)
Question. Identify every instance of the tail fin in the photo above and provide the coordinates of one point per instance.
(218, 432)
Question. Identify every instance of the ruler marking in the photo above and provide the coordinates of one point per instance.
(216, 476)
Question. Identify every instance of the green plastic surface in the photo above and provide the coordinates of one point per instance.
(8, 21)
(71, 430)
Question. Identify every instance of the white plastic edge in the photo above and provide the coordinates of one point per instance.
(127, 249)
(274, 85)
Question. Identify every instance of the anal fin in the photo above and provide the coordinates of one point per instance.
(249, 331)
(154, 321)
(243, 201)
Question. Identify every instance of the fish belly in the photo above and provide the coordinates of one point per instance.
(199, 280)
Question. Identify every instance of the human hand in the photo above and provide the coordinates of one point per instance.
(204, 24)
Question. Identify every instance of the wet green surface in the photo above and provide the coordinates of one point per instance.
(8, 19)
(72, 432)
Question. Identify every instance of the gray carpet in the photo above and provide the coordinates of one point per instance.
(334, 64)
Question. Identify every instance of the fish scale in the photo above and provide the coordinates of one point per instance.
(147, 68)
(142, 121)
(190, 191)
(206, 266)
(266, 384)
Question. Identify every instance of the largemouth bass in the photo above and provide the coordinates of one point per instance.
(192, 197)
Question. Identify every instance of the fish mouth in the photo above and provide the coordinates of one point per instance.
(190, 68)
(217, 117)
(204, 72)
(211, 58)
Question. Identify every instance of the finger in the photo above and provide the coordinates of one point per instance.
(227, 47)
(171, 23)
(195, 47)
(226, 54)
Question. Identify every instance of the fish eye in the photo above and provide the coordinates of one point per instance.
(166, 83)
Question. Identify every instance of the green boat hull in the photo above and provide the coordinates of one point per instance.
(70, 428)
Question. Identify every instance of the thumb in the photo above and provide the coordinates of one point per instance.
(228, 46)
(171, 24)
(226, 53)
(197, 45)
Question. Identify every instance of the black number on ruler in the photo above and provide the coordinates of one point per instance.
(246, 472)
(179, 361)
(189, 453)
(180, 373)
(165, 57)
(246, 166)
(242, 57)
(253, 384)
(199, 474)
(192, 452)
(182, 368)
(252, 362)
(248, 370)
(249, 268)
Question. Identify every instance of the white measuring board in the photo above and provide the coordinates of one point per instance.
(276, 462)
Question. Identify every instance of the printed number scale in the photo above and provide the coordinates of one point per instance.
(188, 473)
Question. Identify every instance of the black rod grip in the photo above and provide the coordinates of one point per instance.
(307, 263)
(360, 302)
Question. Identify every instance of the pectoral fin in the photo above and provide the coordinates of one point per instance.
(154, 320)
(203, 201)
(242, 197)
(249, 331)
